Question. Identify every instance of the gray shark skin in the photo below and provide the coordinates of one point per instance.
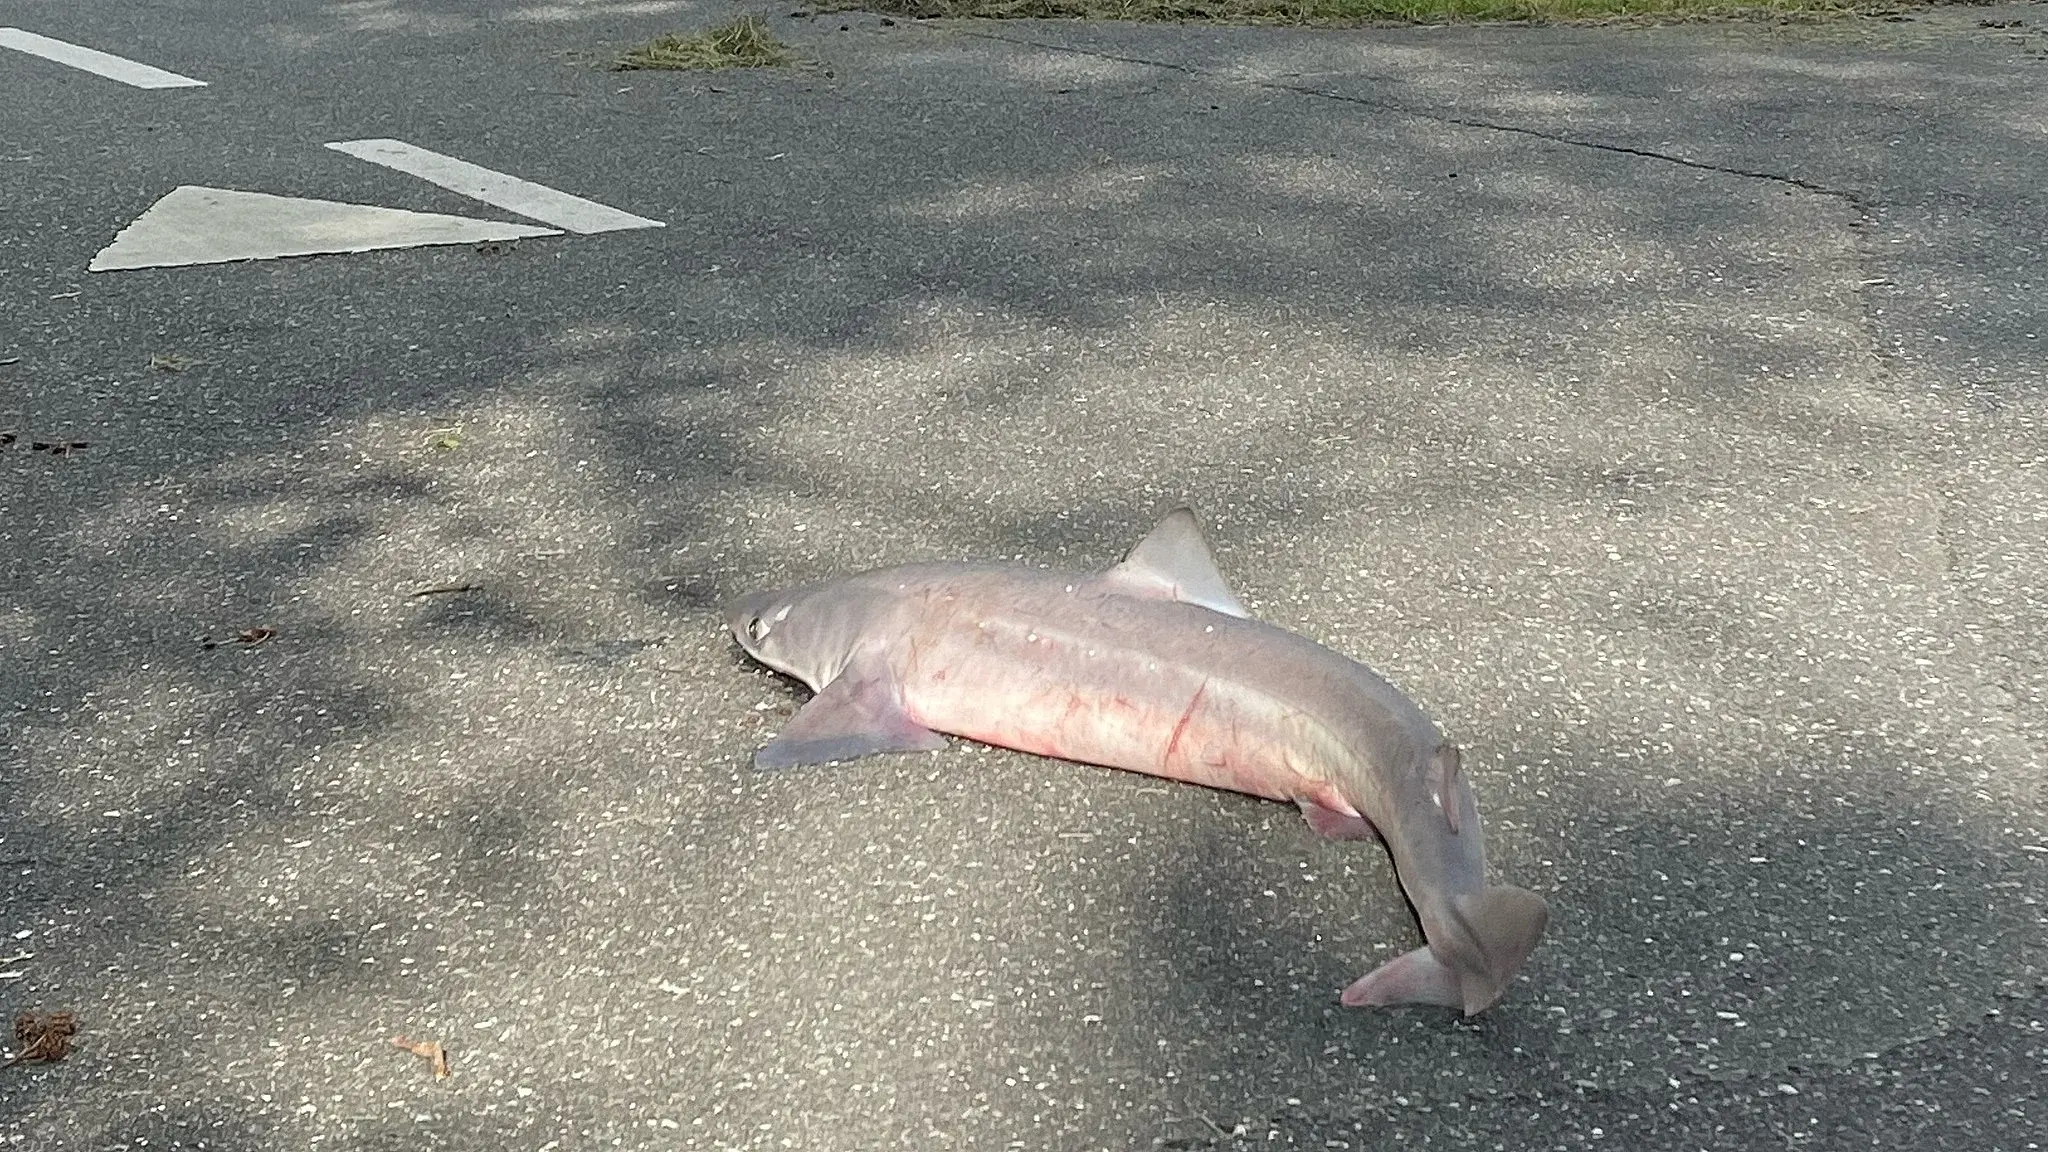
(1153, 666)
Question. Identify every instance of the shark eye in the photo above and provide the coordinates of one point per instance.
(757, 629)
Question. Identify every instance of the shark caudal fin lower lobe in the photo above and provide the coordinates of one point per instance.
(1475, 947)
(1499, 928)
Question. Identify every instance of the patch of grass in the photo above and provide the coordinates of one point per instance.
(744, 43)
(1340, 12)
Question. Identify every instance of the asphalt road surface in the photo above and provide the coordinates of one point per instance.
(1662, 408)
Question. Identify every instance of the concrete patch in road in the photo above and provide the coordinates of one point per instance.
(94, 61)
(197, 225)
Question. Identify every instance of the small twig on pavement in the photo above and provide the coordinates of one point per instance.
(428, 1050)
(1213, 1126)
(450, 590)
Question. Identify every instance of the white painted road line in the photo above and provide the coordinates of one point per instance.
(195, 225)
(96, 62)
(573, 213)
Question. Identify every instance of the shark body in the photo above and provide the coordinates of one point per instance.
(1154, 666)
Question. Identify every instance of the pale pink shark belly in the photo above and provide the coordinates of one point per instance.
(1113, 706)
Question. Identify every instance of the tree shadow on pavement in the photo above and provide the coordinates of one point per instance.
(1587, 452)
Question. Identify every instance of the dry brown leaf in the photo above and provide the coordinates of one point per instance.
(43, 1039)
(428, 1050)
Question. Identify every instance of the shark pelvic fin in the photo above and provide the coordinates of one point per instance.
(1173, 562)
(858, 714)
(1335, 824)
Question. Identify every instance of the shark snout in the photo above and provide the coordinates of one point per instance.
(740, 614)
(753, 618)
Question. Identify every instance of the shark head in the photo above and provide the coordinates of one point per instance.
(809, 632)
(761, 623)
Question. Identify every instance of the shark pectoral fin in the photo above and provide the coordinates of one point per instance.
(1337, 825)
(1173, 562)
(856, 715)
(1416, 977)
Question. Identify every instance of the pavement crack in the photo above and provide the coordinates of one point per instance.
(1853, 199)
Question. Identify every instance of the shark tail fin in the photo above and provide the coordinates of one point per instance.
(1498, 927)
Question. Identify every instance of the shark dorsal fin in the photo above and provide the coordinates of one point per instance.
(1173, 562)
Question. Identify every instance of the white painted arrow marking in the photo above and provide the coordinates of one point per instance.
(195, 225)
(98, 63)
(572, 213)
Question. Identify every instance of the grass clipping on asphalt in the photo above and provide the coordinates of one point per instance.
(1329, 12)
(744, 43)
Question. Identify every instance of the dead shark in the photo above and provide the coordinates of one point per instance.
(1154, 666)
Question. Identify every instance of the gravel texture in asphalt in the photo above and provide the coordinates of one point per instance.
(1663, 409)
